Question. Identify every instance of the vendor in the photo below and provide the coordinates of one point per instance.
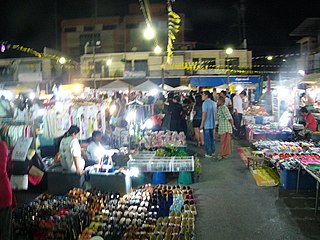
(311, 123)
(70, 151)
(95, 150)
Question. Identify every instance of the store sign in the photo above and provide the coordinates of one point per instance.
(134, 74)
(246, 79)
(21, 148)
(30, 77)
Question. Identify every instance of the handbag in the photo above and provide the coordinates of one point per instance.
(156, 119)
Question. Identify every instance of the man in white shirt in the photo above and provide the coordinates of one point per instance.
(238, 110)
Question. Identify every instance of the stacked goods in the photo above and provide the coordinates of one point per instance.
(161, 212)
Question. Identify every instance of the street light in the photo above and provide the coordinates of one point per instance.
(109, 62)
(157, 50)
(149, 33)
(228, 52)
(269, 58)
(62, 60)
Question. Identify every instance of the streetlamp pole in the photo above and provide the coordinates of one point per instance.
(94, 66)
(228, 52)
(162, 71)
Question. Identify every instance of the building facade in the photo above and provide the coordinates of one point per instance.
(114, 34)
(309, 33)
(188, 64)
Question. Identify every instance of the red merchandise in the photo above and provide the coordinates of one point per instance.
(312, 123)
(5, 187)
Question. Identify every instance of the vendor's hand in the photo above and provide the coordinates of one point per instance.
(201, 126)
(80, 172)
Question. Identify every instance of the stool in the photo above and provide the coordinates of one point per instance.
(158, 178)
(255, 161)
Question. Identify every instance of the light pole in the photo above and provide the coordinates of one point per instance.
(228, 52)
(95, 44)
(158, 50)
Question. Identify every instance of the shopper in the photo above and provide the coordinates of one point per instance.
(5, 195)
(70, 151)
(224, 129)
(238, 111)
(166, 121)
(176, 114)
(214, 95)
(227, 100)
(209, 111)
(197, 117)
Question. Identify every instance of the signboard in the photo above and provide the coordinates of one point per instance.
(134, 74)
(21, 148)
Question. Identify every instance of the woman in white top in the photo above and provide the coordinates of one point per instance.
(95, 150)
(70, 151)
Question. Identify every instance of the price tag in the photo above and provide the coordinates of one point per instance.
(21, 148)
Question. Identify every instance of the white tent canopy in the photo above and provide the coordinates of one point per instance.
(116, 85)
(167, 87)
(147, 86)
(182, 88)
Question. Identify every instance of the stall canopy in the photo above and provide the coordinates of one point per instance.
(214, 81)
(147, 86)
(116, 85)
(167, 87)
(182, 88)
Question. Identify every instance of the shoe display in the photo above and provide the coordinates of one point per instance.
(160, 212)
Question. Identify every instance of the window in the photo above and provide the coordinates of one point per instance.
(90, 38)
(232, 63)
(128, 65)
(141, 65)
(109, 27)
(88, 28)
(195, 59)
(70, 29)
(132, 25)
(209, 63)
(304, 47)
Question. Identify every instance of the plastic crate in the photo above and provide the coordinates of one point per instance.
(155, 164)
(258, 120)
(288, 180)
(183, 164)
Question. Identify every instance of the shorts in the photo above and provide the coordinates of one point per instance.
(196, 123)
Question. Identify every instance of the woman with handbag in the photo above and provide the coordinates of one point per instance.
(225, 128)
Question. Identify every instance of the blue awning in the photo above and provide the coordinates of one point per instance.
(173, 82)
(214, 81)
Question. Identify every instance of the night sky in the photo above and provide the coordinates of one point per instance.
(213, 24)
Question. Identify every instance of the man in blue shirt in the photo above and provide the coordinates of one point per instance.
(208, 124)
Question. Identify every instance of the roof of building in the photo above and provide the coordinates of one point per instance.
(309, 27)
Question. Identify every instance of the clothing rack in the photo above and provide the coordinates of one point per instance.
(11, 131)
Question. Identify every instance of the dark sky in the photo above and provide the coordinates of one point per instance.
(213, 24)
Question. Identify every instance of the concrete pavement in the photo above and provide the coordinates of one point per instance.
(231, 206)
